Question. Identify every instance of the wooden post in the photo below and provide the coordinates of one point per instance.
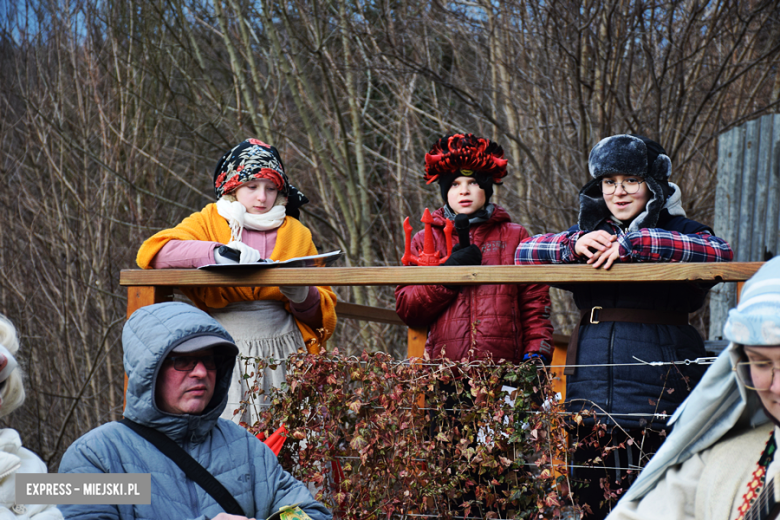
(416, 342)
(140, 296)
(740, 286)
(415, 348)
(561, 344)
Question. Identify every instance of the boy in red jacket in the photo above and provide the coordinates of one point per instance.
(509, 322)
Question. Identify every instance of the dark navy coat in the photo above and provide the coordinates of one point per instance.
(630, 393)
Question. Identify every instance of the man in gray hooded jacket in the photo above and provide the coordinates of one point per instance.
(179, 363)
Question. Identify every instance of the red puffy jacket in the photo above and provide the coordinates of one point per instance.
(507, 321)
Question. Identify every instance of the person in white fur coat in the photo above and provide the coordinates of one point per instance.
(722, 450)
(13, 457)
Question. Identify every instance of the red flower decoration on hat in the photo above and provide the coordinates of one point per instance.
(457, 152)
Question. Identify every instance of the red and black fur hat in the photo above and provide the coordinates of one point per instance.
(466, 155)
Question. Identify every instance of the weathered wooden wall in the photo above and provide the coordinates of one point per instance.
(747, 202)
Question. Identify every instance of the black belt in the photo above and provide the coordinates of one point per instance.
(597, 314)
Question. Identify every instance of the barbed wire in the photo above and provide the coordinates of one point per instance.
(589, 412)
(631, 467)
(702, 361)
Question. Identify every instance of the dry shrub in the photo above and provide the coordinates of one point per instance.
(383, 438)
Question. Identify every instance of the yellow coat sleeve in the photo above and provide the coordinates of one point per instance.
(293, 240)
(205, 225)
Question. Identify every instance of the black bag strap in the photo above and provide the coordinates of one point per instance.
(188, 465)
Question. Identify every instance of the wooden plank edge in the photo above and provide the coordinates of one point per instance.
(367, 313)
(463, 275)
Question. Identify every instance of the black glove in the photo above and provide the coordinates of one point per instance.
(470, 255)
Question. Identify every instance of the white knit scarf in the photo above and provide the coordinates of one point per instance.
(238, 219)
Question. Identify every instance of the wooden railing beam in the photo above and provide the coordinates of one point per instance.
(367, 313)
(461, 275)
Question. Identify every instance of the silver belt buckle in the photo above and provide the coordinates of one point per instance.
(594, 309)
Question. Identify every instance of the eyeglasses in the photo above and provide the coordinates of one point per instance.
(756, 375)
(188, 363)
(630, 186)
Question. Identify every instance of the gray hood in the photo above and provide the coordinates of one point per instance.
(674, 202)
(148, 336)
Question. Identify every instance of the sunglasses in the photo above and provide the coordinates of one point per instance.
(188, 363)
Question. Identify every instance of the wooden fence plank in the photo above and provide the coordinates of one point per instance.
(747, 202)
(742, 247)
(367, 313)
(773, 204)
(461, 275)
(729, 190)
(762, 194)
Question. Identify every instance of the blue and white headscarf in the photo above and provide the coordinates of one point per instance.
(756, 320)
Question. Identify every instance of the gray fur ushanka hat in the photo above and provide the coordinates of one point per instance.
(625, 154)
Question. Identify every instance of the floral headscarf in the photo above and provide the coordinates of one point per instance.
(252, 159)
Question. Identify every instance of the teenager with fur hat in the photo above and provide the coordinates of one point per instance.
(13, 457)
(629, 212)
(256, 213)
(505, 322)
(722, 450)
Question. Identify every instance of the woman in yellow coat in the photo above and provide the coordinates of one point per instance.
(256, 215)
